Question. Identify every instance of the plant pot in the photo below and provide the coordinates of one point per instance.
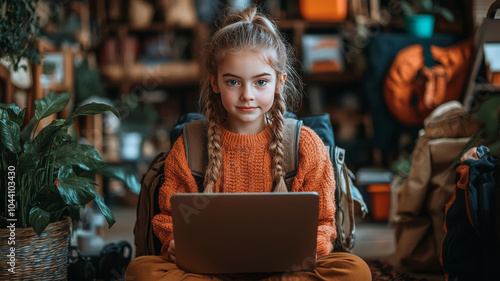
(421, 26)
(380, 198)
(35, 258)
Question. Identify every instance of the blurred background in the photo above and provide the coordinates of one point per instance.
(143, 57)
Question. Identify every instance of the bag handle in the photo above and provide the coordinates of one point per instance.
(493, 9)
(435, 86)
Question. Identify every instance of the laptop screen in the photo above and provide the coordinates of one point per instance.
(245, 232)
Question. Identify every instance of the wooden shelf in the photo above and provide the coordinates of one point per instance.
(168, 74)
(154, 27)
(300, 23)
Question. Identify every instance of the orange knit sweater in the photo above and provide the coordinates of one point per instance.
(246, 167)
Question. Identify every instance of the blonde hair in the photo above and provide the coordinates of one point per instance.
(249, 30)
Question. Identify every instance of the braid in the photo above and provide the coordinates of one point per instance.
(276, 147)
(213, 145)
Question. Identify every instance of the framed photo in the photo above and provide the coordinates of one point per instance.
(322, 53)
(57, 71)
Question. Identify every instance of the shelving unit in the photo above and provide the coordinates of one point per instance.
(127, 72)
(297, 28)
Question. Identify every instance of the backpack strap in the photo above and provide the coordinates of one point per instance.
(195, 143)
(291, 145)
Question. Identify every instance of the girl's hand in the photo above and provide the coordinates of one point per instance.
(171, 250)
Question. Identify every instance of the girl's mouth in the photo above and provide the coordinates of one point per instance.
(247, 108)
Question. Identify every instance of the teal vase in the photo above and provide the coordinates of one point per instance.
(421, 26)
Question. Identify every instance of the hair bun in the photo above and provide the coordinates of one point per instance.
(252, 16)
(248, 15)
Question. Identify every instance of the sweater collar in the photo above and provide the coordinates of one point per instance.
(231, 139)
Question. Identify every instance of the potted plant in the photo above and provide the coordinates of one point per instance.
(47, 177)
(19, 29)
(420, 16)
(138, 117)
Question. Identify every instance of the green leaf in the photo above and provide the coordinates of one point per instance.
(426, 5)
(76, 191)
(91, 109)
(10, 135)
(57, 206)
(50, 104)
(12, 112)
(82, 155)
(126, 174)
(28, 162)
(80, 191)
(74, 212)
(21, 116)
(104, 209)
(447, 14)
(4, 114)
(27, 130)
(39, 219)
(489, 115)
(66, 172)
(57, 213)
(11, 106)
(44, 139)
(407, 8)
(62, 138)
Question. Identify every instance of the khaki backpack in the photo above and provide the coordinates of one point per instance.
(347, 195)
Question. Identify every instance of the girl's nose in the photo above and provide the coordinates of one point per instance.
(247, 93)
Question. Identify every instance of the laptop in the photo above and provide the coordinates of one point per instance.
(245, 232)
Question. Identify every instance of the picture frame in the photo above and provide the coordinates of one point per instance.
(322, 53)
(57, 71)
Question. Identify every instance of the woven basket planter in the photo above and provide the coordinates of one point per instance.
(36, 258)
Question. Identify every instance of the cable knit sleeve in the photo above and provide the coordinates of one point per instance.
(315, 173)
(178, 179)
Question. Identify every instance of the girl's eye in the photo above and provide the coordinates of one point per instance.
(261, 82)
(232, 82)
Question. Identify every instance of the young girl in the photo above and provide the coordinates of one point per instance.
(249, 83)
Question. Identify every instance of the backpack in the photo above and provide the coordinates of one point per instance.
(349, 200)
(422, 77)
(471, 246)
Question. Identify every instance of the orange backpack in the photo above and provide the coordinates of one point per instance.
(413, 89)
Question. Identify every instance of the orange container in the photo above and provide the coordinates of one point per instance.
(324, 10)
(380, 199)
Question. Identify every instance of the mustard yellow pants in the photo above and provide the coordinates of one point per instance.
(333, 267)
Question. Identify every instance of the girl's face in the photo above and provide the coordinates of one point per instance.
(246, 83)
